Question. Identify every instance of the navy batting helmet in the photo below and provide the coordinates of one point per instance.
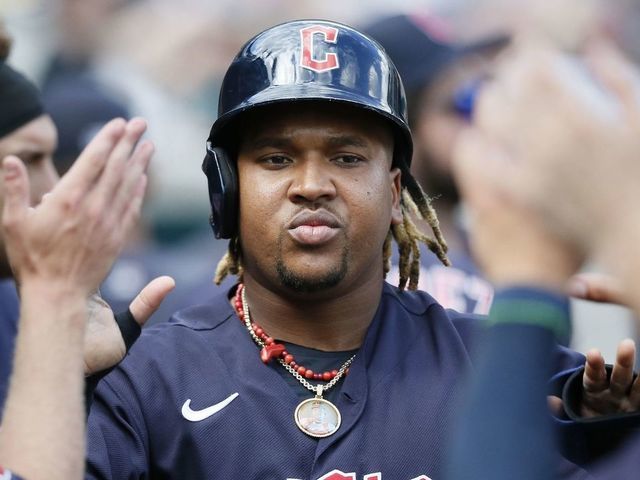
(304, 60)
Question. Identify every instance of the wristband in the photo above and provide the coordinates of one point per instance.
(129, 328)
(533, 306)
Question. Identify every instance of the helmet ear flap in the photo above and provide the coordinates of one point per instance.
(222, 180)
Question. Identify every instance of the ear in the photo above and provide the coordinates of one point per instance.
(395, 179)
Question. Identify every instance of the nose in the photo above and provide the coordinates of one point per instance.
(312, 181)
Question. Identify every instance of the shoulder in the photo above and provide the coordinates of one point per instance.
(208, 315)
(176, 358)
(190, 332)
(418, 302)
(424, 312)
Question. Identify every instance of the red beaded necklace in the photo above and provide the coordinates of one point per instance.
(272, 349)
(315, 416)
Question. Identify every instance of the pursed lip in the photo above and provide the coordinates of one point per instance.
(314, 218)
(313, 227)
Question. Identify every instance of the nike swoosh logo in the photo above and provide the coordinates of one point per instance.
(199, 415)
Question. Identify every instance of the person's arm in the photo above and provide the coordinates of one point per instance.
(60, 251)
(505, 421)
(574, 140)
(504, 430)
(42, 431)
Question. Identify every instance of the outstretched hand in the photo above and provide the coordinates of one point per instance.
(618, 394)
(70, 240)
(73, 236)
(104, 346)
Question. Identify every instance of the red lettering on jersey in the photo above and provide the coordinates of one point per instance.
(309, 58)
(338, 475)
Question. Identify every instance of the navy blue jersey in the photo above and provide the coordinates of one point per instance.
(397, 402)
(9, 312)
(513, 439)
(623, 464)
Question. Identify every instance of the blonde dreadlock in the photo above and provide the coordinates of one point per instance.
(413, 202)
(229, 263)
(408, 236)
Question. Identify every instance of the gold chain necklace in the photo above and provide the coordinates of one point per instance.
(315, 416)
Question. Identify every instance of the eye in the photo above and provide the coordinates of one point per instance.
(275, 161)
(348, 160)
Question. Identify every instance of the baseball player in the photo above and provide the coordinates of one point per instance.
(308, 171)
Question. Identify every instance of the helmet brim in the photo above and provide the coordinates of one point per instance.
(312, 92)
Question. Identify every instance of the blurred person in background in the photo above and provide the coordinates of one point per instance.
(573, 167)
(79, 106)
(440, 78)
(81, 94)
(79, 36)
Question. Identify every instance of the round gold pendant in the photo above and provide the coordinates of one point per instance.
(317, 417)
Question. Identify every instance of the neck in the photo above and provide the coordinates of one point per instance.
(331, 321)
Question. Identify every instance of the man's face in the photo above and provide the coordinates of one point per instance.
(317, 196)
(34, 143)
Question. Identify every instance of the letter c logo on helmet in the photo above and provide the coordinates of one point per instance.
(299, 61)
(308, 59)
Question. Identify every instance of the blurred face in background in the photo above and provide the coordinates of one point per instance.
(438, 123)
(34, 143)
